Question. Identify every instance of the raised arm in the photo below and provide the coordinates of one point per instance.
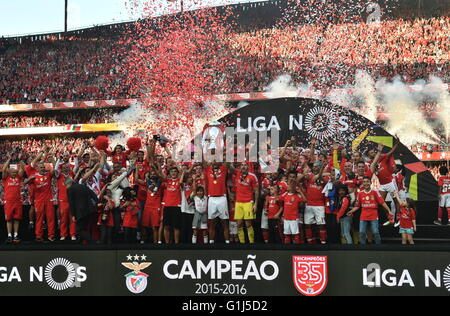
(114, 184)
(90, 173)
(5, 168)
(21, 169)
(376, 159)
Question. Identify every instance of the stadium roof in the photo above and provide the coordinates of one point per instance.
(24, 17)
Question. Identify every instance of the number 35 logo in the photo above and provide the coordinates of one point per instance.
(310, 274)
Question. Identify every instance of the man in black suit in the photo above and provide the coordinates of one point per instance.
(82, 201)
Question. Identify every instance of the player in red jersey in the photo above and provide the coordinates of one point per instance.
(291, 203)
(31, 170)
(172, 203)
(131, 206)
(44, 207)
(66, 224)
(274, 208)
(12, 185)
(385, 171)
(444, 194)
(315, 205)
(142, 166)
(216, 177)
(151, 216)
(247, 196)
(369, 200)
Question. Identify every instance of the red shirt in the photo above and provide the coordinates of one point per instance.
(120, 158)
(153, 200)
(444, 184)
(291, 203)
(369, 202)
(110, 220)
(386, 169)
(284, 186)
(217, 183)
(130, 219)
(172, 193)
(62, 190)
(273, 205)
(407, 217)
(245, 187)
(342, 212)
(314, 195)
(266, 183)
(399, 179)
(30, 171)
(12, 188)
(43, 187)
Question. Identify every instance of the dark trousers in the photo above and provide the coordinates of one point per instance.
(117, 216)
(83, 228)
(106, 235)
(333, 233)
(130, 235)
(186, 228)
(274, 232)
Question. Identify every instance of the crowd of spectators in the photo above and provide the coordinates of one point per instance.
(434, 168)
(59, 118)
(59, 70)
(78, 68)
(327, 56)
(28, 147)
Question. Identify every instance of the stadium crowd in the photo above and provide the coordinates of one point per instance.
(78, 68)
(61, 118)
(29, 147)
(314, 197)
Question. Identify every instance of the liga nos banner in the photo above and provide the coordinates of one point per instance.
(224, 273)
(310, 118)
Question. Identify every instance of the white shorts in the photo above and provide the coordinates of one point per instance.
(314, 215)
(218, 207)
(233, 228)
(291, 227)
(264, 221)
(389, 188)
(444, 200)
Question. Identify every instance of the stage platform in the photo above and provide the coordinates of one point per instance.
(225, 270)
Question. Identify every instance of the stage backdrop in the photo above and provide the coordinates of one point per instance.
(311, 118)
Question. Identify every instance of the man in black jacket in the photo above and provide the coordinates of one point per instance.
(82, 201)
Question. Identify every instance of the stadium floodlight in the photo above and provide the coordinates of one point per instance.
(66, 3)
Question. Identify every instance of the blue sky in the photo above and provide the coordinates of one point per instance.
(20, 17)
(36, 16)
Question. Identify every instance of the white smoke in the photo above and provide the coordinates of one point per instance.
(405, 119)
(365, 89)
(282, 87)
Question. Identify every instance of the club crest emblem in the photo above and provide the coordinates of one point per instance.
(136, 281)
(310, 274)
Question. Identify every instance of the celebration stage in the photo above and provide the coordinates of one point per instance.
(225, 270)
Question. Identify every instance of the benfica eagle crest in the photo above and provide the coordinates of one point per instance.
(136, 281)
(310, 274)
